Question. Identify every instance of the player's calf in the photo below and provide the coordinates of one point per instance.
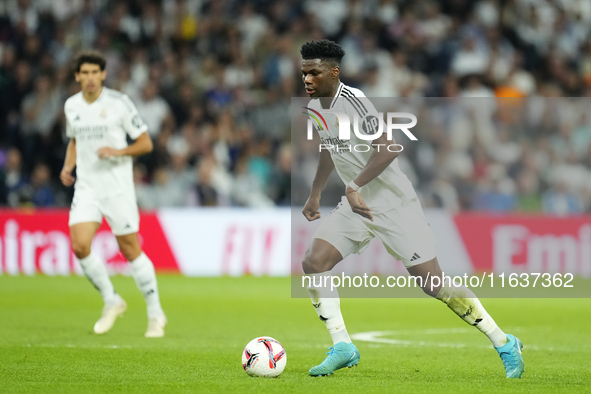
(129, 246)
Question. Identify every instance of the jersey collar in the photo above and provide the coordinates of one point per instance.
(97, 99)
(334, 100)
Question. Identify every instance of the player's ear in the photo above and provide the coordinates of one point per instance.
(336, 70)
(77, 76)
(103, 75)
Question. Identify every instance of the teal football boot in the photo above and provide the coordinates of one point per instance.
(510, 353)
(340, 356)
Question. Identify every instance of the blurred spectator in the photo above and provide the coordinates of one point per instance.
(497, 194)
(16, 86)
(559, 201)
(153, 109)
(280, 182)
(40, 110)
(180, 174)
(213, 80)
(161, 193)
(39, 192)
(247, 190)
(529, 199)
(14, 179)
(441, 193)
(470, 59)
(205, 193)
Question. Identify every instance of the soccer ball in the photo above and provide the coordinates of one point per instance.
(264, 356)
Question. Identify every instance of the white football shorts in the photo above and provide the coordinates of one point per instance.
(404, 231)
(121, 212)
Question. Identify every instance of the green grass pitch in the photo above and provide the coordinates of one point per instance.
(47, 344)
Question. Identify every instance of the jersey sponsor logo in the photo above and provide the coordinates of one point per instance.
(369, 125)
(87, 133)
(334, 141)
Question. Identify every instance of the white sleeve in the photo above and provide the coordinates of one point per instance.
(69, 130)
(133, 124)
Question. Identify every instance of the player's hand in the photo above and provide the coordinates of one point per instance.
(66, 177)
(106, 152)
(310, 210)
(357, 204)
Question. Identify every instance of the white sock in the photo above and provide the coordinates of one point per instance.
(328, 307)
(143, 272)
(96, 272)
(464, 303)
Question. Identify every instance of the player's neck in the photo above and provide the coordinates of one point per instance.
(326, 101)
(90, 97)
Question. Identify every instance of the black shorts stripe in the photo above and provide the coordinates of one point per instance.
(355, 98)
(354, 104)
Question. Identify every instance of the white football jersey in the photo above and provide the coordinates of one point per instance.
(105, 122)
(388, 190)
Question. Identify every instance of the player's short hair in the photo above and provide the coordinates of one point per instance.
(91, 57)
(324, 49)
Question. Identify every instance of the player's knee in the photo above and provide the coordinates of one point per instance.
(130, 252)
(80, 249)
(130, 247)
(312, 265)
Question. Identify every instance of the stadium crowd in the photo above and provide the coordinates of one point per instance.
(213, 80)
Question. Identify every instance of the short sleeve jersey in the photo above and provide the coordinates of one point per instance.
(105, 122)
(388, 190)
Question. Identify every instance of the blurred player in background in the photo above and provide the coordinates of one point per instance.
(379, 202)
(98, 121)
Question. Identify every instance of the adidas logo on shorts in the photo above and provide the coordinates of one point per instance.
(414, 257)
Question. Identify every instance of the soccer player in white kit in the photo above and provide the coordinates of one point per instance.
(98, 121)
(379, 202)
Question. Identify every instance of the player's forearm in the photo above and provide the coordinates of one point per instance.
(70, 161)
(377, 163)
(141, 146)
(325, 167)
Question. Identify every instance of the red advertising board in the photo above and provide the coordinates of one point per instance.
(39, 241)
(519, 243)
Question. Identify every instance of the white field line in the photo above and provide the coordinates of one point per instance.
(71, 346)
(378, 337)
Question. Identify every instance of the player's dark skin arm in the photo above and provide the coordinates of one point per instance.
(69, 164)
(379, 160)
(323, 171)
(142, 145)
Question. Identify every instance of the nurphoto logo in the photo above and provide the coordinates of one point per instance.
(372, 128)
